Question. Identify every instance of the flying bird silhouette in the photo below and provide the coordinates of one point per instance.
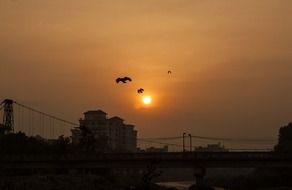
(124, 79)
(140, 90)
(169, 72)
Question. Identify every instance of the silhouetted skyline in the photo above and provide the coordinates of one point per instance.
(230, 62)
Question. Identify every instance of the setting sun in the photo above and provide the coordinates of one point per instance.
(147, 100)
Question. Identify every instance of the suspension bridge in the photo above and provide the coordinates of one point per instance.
(21, 118)
(18, 117)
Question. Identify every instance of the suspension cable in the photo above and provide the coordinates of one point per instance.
(162, 138)
(268, 140)
(157, 139)
(45, 114)
(155, 142)
(234, 139)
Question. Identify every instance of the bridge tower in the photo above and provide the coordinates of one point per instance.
(8, 119)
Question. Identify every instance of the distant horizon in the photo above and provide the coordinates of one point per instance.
(108, 116)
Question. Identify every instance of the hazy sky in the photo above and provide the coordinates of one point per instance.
(231, 62)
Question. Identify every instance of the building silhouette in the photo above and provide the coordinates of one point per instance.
(155, 149)
(120, 136)
(212, 148)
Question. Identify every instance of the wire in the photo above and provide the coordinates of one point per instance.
(233, 139)
(45, 114)
(162, 138)
(250, 150)
(270, 140)
(170, 144)
(157, 140)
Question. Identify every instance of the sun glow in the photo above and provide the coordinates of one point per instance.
(147, 100)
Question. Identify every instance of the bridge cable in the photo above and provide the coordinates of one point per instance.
(178, 145)
(163, 138)
(47, 115)
(155, 142)
(212, 138)
(233, 139)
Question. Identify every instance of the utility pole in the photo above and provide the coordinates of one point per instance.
(8, 118)
(184, 134)
(191, 146)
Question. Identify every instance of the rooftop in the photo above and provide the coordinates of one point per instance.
(99, 112)
(116, 118)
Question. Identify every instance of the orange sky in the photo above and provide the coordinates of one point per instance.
(231, 62)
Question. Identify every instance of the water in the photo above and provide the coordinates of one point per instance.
(181, 185)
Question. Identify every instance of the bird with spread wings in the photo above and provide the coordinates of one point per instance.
(123, 79)
(140, 90)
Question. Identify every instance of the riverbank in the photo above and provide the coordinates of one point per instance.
(182, 185)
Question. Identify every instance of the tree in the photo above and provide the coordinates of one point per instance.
(285, 139)
(90, 143)
(149, 175)
(19, 143)
(87, 139)
(62, 144)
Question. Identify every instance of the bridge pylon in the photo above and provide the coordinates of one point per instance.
(8, 118)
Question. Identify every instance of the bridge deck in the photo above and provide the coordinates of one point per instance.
(162, 160)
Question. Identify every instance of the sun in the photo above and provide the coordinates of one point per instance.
(147, 100)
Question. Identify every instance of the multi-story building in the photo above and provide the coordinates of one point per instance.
(120, 136)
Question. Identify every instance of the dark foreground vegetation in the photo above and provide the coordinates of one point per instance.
(105, 179)
(258, 179)
(262, 178)
(72, 182)
(19, 144)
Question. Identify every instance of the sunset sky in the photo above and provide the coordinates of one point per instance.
(231, 62)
